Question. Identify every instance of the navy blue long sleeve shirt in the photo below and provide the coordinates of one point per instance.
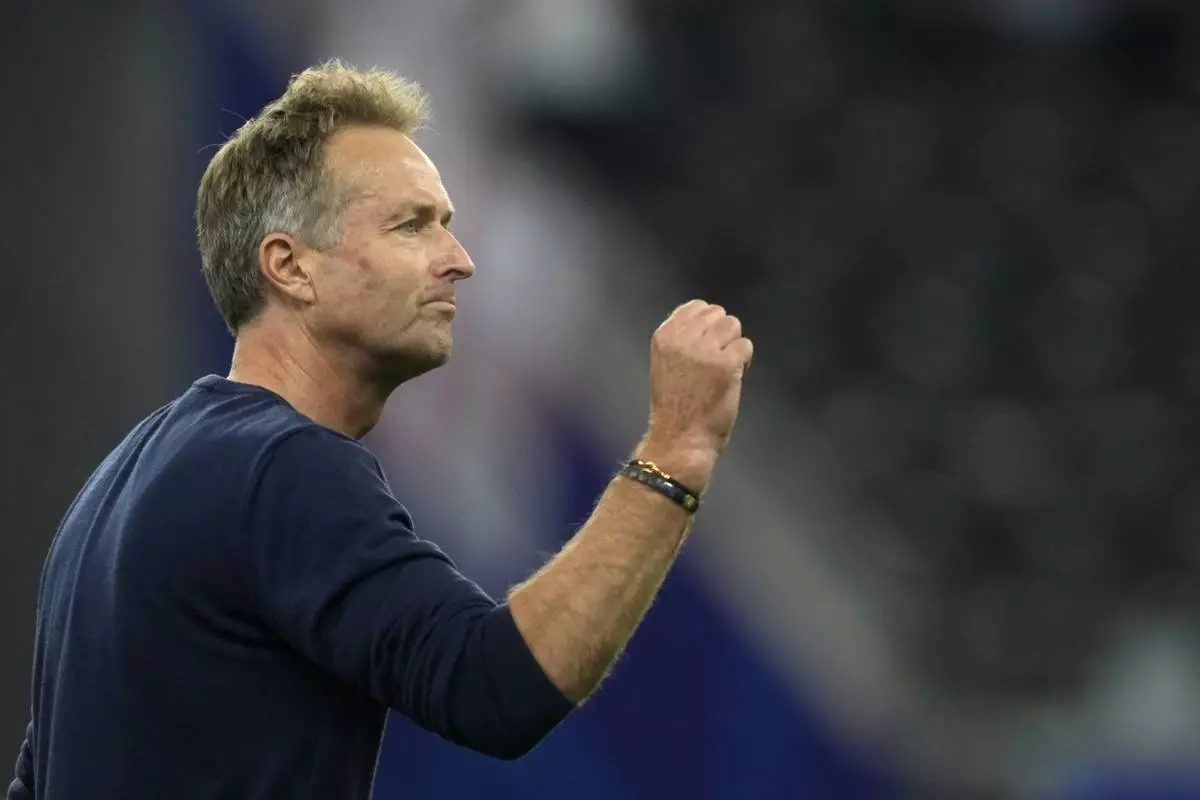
(232, 604)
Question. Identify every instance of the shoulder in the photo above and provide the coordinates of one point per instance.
(320, 495)
(252, 438)
(254, 428)
(311, 465)
(309, 447)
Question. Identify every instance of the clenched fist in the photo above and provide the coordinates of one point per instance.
(697, 359)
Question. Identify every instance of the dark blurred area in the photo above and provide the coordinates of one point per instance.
(82, 258)
(964, 236)
(970, 250)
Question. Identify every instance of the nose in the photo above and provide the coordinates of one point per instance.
(457, 264)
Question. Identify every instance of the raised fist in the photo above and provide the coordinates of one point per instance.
(697, 358)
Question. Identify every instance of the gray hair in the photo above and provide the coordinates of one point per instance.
(269, 177)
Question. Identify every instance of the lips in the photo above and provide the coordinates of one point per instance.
(446, 306)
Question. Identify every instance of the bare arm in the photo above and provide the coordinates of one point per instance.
(579, 611)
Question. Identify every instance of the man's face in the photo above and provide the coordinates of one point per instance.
(385, 290)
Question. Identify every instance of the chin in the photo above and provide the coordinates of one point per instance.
(410, 362)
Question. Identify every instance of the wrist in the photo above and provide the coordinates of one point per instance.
(689, 463)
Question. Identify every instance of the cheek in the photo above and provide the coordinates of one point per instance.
(385, 284)
(349, 288)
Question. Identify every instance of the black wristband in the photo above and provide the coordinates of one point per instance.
(647, 473)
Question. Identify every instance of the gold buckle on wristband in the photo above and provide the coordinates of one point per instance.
(652, 468)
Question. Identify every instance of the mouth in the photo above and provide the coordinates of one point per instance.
(445, 306)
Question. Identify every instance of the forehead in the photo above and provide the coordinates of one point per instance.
(383, 165)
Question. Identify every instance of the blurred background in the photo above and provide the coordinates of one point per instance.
(954, 548)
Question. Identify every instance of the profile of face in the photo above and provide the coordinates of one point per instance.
(384, 293)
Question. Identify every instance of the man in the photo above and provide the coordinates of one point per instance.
(235, 598)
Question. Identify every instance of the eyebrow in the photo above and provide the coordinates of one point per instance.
(426, 212)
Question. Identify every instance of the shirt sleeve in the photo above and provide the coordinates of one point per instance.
(343, 578)
(22, 787)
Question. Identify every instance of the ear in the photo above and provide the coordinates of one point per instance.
(279, 258)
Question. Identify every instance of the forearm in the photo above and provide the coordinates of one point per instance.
(579, 611)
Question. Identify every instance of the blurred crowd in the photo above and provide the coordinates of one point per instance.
(964, 237)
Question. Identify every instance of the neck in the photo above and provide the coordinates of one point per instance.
(323, 387)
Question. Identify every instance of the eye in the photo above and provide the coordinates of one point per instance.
(409, 226)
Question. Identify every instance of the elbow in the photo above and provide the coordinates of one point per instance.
(509, 739)
(505, 737)
(493, 697)
(512, 748)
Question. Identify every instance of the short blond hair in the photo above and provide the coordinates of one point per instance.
(269, 177)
